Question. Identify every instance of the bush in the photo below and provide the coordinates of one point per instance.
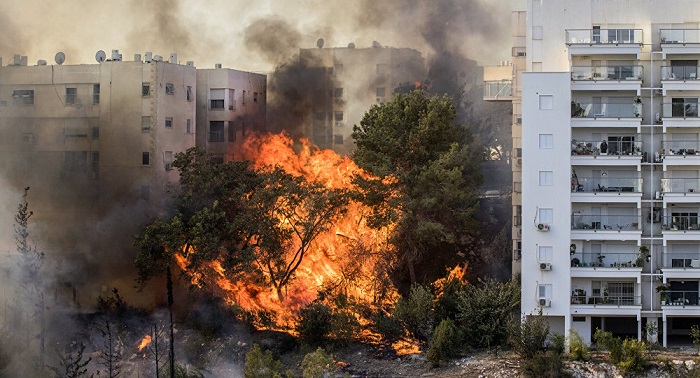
(530, 337)
(318, 364)
(544, 365)
(344, 326)
(415, 313)
(486, 312)
(606, 341)
(314, 323)
(695, 336)
(388, 327)
(556, 343)
(447, 291)
(259, 365)
(578, 350)
(445, 342)
(628, 355)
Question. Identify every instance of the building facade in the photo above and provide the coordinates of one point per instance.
(611, 167)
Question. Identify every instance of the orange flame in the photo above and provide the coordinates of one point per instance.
(144, 342)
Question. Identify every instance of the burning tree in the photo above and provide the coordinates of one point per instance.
(431, 166)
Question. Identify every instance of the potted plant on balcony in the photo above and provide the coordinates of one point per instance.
(576, 110)
(637, 106)
(643, 256)
(662, 290)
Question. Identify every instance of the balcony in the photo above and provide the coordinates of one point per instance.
(680, 78)
(624, 147)
(604, 41)
(605, 223)
(681, 112)
(603, 262)
(682, 148)
(679, 41)
(496, 90)
(606, 300)
(681, 222)
(606, 184)
(685, 186)
(681, 298)
(606, 114)
(683, 261)
(607, 77)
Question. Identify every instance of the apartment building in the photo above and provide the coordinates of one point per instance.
(611, 167)
(348, 81)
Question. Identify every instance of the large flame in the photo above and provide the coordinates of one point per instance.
(350, 255)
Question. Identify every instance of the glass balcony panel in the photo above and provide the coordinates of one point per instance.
(680, 185)
(680, 108)
(500, 88)
(606, 109)
(598, 36)
(608, 184)
(607, 300)
(671, 36)
(682, 260)
(682, 221)
(680, 147)
(682, 298)
(606, 260)
(605, 222)
(679, 73)
(607, 147)
(628, 72)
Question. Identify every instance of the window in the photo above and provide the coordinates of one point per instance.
(231, 99)
(545, 253)
(145, 192)
(95, 94)
(621, 293)
(578, 318)
(231, 131)
(217, 159)
(189, 95)
(71, 95)
(338, 116)
(243, 98)
(169, 88)
(188, 126)
(95, 132)
(546, 102)
(544, 291)
(518, 152)
(75, 162)
(145, 124)
(546, 178)
(168, 122)
(167, 159)
(216, 99)
(381, 91)
(23, 97)
(546, 141)
(684, 107)
(337, 139)
(146, 158)
(216, 131)
(95, 168)
(546, 216)
(255, 96)
(338, 93)
(145, 89)
(518, 216)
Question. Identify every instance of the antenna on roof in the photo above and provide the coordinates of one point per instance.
(60, 58)
(100, 56)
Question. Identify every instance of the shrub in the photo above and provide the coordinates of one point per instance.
(606, 341)
(445, 342)
(695, 336)
(530, 337)
(318, 364)
(415, 313)
(259, 365)
(447, 291)
(486, 312)
(628, 355)
(344, 326)
(578, 350)
(388, 327)
(556, 343)
(544, 365)
(314, 324)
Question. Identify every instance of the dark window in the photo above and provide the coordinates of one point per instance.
(231, 131)
(23, 97)
(255, 96)
(95, 133)
(217, 103)
(518, 152)
(145, 89)
(146, 158)
(338, 93)
(95, 168)
(338, 116)
(578, 318)
(188, 126)
(320, 116)
(218, 159)
(169, 88)
(216, 131)
(95, 94)
(243, 98)
(71, 96)
(145, 124)
(168, 122)
(75, 162)
(189, 93)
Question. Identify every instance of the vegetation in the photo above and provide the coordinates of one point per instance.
(259, 365)
(530, 337)
(578, 350)
(314, 324)
(428, 176)
(628, 354)
(72, 361)
(695, 336)
(486, 312)
(318, 364)
(415, 313)
(445, 342)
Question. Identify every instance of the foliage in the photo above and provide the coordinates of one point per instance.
(415, 313)
(72, 362)
(695, 336)
(445, 342)
(318, 364)
(259, 365)
(578, 350)
(606, 341)
(255, 222)
(530, 337)
(544, 365)
(387, 326)
(628, 354)
(556, 343)
(428, 175)
(447, 291)
(486, 312)
(314, 325)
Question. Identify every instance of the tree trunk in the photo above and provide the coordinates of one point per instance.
(411, 270)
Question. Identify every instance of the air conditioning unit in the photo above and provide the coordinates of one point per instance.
(519, 162)
(542, 227)
(544, 302)
(545, 266)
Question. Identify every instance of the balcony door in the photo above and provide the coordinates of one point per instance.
(684, 69)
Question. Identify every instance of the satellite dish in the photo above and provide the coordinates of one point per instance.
(60, 58)
(319, 43)
(100, 56)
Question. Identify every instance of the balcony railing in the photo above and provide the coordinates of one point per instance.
(603, 36)
(519, 51)
(680, 147)
(606, 147)
(607, 300)
(607, 260)
(683, 108)
(498, 88)
(606, 110)
(607, 73)
(607, 184)
(680, 223)
(670, 36)
(682, 298)
(680, 185)
(682, 260)
(605, 222)
(679, 73)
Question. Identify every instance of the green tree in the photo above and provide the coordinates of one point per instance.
(428, 175)
(318, 364)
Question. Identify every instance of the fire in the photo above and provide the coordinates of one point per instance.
(144, 342)
(350, 255)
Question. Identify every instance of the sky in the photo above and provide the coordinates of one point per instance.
(231, 31)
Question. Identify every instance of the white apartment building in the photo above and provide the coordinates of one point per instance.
(611, 166)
